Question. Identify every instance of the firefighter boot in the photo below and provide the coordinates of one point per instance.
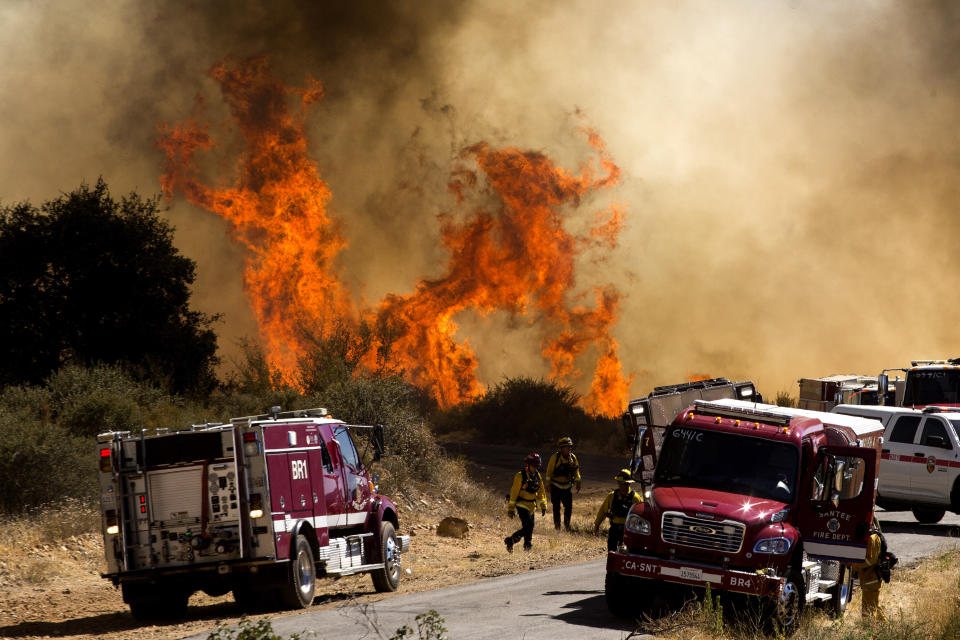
(509, 542)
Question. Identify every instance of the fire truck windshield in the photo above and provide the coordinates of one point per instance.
(727, 462)
(932, 386)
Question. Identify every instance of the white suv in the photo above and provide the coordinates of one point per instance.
(920, 460)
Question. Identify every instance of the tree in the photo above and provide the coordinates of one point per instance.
(88, 279)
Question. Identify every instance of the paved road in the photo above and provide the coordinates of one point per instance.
(911, 541)
(561, 602)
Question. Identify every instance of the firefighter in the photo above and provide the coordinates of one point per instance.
(870, 574)
(563, 472)
(525, 495)
(616, 506)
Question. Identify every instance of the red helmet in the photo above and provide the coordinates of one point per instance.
(533, 460)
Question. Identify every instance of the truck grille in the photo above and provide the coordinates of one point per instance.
(701, 533)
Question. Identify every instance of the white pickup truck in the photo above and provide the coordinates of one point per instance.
(920, 459)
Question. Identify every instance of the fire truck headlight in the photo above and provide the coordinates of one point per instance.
(637, 524)
(637, 409)
(256, 513)
(778, 546)
(113, 529)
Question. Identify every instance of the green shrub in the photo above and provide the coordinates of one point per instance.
(784, 399)
(91, 400)
(42, 462)
(532, 412)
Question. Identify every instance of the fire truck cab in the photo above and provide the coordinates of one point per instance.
(752, 499)
(260, 506)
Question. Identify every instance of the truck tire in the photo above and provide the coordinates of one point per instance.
(155, 602)
(842, 591)
(617, 593)
(387, 578)
(788, 608)
(928, 515)
(300, 584)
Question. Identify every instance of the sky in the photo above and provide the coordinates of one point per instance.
(790, 169)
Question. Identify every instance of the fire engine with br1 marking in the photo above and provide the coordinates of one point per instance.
(261, 506)
(751, 499)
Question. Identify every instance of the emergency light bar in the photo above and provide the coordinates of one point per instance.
(706, 408)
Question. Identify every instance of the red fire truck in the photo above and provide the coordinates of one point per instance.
(752, 499)
(260, 506)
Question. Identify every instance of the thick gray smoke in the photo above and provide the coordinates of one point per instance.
(790, 168)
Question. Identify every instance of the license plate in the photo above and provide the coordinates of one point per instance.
(688, 573)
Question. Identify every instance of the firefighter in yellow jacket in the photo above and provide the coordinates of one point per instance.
(526, 495)
(616, 506)
(563, 473)
(869, 576)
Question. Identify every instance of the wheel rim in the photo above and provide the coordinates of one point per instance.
(392, 558)
(304, 574)
(846, 588)
(789, 604)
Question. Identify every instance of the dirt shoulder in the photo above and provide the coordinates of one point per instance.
(57, 591)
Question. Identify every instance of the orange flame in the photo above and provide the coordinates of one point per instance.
(697, 377)
(519, 258)
(276, 210)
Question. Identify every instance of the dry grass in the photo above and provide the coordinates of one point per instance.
(921, 603)
(48, 526)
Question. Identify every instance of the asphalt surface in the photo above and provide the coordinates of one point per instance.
(561, 602)
(911, 541)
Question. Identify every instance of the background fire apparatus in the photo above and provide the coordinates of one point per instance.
(751, 499)
(261, 506)
(926, 382)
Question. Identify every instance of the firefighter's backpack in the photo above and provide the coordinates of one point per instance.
(887, 561)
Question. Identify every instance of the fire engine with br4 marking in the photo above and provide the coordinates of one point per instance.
(750, 499)
(260, 506)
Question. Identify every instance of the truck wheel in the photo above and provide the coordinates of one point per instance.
(387, 578)
(617, 594)
(928, 515)
(150, 603)
(842, 591)
(789, 606)
(300, 584)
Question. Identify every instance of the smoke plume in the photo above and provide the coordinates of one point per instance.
(788, 169)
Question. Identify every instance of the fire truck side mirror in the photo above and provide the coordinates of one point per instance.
(882, 382)
(838, 480)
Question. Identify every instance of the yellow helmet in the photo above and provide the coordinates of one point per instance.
(624, 476)
(565, 441)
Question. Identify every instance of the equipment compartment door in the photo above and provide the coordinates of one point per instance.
(837, 504)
